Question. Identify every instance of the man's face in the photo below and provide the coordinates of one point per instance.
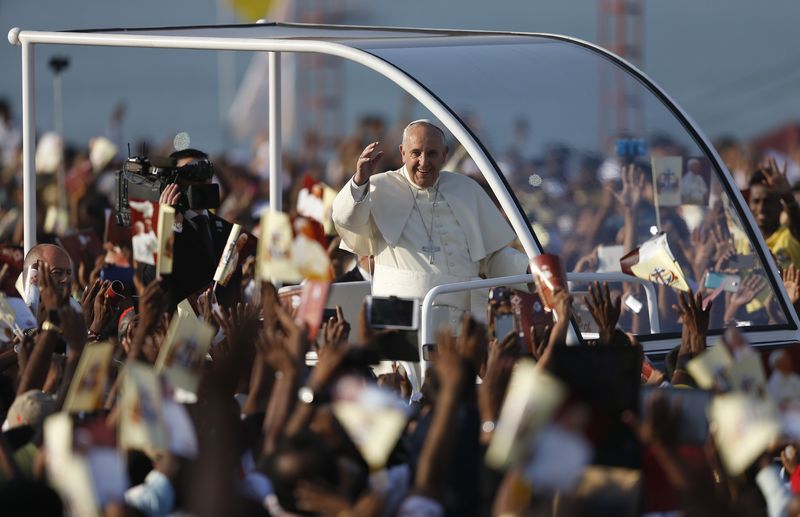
(766, 208)
(60, 264)
(424, 153)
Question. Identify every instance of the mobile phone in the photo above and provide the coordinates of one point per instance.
(112, 272)
(393, 312)
(327, 314)
(722, 281)
(504, 324)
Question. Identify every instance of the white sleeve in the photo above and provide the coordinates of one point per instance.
(352, 218)
(775, 492)
(359, 191)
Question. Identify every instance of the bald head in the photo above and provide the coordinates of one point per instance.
(56, 256)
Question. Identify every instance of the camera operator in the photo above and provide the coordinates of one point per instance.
(200, 238)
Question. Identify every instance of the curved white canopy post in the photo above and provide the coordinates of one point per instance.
(362, 57)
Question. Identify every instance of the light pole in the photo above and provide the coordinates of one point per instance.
(57, 65)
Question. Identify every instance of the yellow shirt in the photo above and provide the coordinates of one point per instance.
(785, 247)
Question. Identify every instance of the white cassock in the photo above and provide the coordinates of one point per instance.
(468, 235)
(693, 189)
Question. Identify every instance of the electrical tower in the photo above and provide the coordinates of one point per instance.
(320, 79)
(620, 29)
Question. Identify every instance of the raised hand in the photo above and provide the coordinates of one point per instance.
(695, 320)
(151, 306)
(633, 182)
(365, 166)
(87, 300)
(791, 281)
(604, 309)
(103, 309)
(540, 336)
(171, 195)
(777, 179)
(73, 329)
(471, 342)
(334, 331)
(748, 289)
(588, 262)
(52, 294)
(449, 364)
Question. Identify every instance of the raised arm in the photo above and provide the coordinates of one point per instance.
(778, 182)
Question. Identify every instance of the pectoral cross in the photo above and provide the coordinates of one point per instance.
(431, 250)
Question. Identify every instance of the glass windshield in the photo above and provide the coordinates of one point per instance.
(543, 109)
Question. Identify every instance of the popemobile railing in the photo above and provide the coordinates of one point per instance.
(427, 330)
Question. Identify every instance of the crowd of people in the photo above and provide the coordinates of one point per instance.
(122, 399)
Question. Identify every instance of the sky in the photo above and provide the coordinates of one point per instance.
(732, 65)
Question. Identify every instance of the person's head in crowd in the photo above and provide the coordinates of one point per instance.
(138, 228)
(765, 204)
(125, 326)
(187, 156)
(60, 264)
(30, 408)
(298, 459)
(424, 152)
(780, 361)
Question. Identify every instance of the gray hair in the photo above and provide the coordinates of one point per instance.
(421, 122)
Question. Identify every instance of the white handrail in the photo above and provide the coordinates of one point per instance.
(426, 334)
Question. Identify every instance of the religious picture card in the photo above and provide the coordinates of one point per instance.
(315, 200)
(309, 250)
(532, 399)
(549, 275)
(312, 305)
(747, 374)
(229, 260)
(88, 386)
(667, 172)
(373, 417)
(166, 240)
(274, 260)
(68, 472)
(654, 261)
(183, 352)
(144, 220)
(141, 424)
(696, 181)
(711, 368)
(15, 317)
(744, 427)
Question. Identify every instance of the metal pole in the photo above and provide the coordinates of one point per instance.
(226, 75)
(58, 119)
(275, 161)
(28, 148)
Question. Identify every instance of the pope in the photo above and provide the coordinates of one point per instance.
(425, 226)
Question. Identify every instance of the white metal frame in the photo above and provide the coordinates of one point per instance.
(28, 39)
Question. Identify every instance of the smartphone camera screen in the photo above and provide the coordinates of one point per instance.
(392, 313)
(503, 325)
